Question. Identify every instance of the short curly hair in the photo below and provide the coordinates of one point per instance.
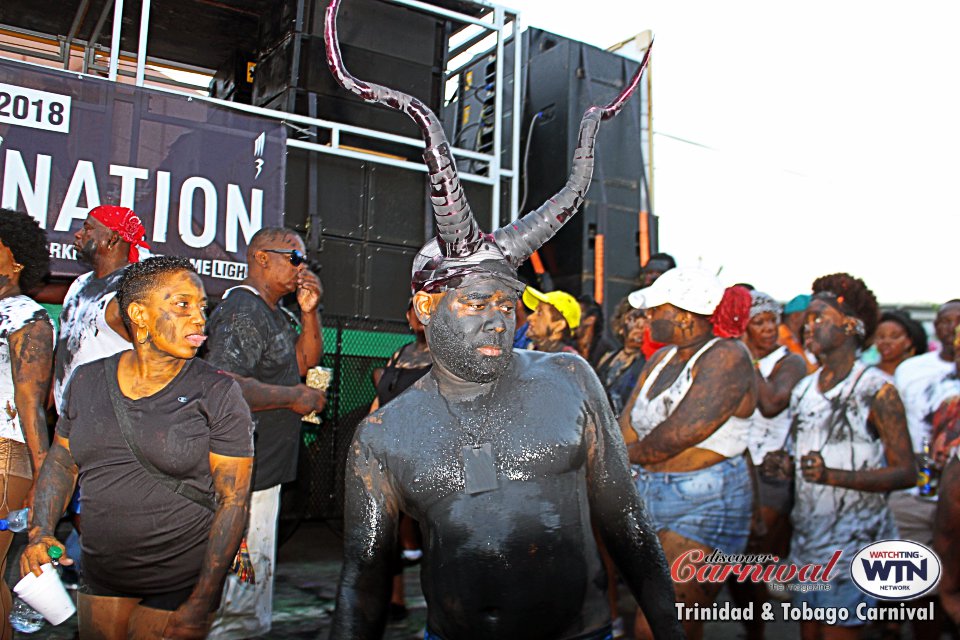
(140, 277)
(856, 297)
(21, 233)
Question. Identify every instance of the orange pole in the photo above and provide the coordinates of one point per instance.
(644, 238)
(537, 264)
(598, 274)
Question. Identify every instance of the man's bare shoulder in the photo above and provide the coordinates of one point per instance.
(533, 363)
(566, 373)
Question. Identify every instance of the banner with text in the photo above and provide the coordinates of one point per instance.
(203, 178)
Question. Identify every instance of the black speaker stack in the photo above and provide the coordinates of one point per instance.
(564, 78)
(379, 40)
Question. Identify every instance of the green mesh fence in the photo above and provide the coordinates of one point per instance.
(54, 311)
(353, 348)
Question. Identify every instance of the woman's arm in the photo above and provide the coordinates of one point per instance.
(773, 393)
(231, 481)
(626, 426)
(900, 473)
(52, 494)
(31, 363)
(722, 379)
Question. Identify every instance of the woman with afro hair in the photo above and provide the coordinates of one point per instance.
(26, 364)
(849, 434)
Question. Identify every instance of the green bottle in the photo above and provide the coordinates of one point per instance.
(55, 554)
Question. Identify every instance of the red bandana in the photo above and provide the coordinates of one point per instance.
(126, 223)
(732, 315)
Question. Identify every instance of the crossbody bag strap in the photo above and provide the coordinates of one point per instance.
(126, 430)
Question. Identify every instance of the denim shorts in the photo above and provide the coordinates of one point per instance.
(775, 494)
(711, 506)
(842, 593)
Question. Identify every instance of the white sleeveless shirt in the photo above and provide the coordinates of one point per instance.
(729, 440)
(768, 434)
(16, 312)
(834, 423)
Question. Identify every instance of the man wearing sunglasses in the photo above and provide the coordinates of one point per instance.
(268, 349)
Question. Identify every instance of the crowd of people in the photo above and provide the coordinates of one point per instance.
(794, 430)
(749, 426)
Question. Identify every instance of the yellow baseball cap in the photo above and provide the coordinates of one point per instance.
(562, 301)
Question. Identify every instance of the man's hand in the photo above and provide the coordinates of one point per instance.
(813, 468)
(777, 465)
(191, 621)
(309, 291)
(308, 400)
(36, 554)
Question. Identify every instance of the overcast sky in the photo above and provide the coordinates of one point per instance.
(832, 132)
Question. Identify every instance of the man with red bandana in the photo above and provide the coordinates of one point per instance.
(90, 325)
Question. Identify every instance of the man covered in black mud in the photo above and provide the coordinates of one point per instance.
(505, 458)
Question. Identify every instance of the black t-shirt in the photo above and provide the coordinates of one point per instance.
(248, 338)
(138, 536)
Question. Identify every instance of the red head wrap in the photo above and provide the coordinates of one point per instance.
(732, 315)
(126, 223)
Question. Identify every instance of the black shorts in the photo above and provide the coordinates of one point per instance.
(775, 493)
(168, 601)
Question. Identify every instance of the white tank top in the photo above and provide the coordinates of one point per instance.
(768, 434)
(729, 440)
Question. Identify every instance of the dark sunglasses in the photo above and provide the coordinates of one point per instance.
(296, 256)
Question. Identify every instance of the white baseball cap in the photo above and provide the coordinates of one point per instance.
(687, 288)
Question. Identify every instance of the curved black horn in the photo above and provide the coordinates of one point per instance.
(457, 229)
(519, 239)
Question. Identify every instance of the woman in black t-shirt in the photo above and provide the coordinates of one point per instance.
(157, 542)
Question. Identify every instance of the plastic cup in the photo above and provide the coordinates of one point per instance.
(46, 594)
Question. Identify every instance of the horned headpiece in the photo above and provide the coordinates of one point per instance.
(461, 248)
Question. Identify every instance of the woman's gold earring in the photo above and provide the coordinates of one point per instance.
(145, 335)
(17, 267)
